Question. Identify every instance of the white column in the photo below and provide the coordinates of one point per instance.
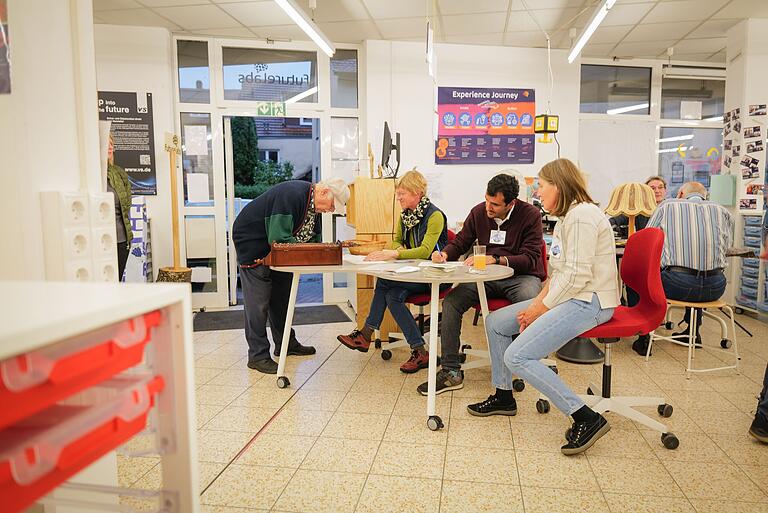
(48, 124)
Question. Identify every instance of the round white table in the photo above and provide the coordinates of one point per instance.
(386, 270)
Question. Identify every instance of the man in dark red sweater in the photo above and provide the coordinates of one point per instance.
(511, 231)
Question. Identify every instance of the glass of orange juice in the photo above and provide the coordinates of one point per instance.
(478, 263)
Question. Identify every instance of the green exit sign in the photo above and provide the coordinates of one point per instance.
(270, 109)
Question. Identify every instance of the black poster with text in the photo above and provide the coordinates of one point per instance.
(133, 133)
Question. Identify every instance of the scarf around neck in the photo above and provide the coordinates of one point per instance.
(411, 218)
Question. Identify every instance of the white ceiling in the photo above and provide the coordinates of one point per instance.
(633, 28)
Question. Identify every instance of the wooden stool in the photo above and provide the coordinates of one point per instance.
(690, 339)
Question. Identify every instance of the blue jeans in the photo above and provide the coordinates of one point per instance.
(392, 294)
(687, 287)
(518, 353)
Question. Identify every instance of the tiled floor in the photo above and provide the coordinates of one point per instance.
(350, 435)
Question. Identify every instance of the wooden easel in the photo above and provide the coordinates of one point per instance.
(175, 273)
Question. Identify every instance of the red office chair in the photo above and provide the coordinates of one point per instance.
(640, 269)
(420, 300)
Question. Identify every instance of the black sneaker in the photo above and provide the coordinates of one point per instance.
(583, 435)
(759, 428)
(640, 345)
(492, 406)
(297, 350)
(267, 365)
(447, 380)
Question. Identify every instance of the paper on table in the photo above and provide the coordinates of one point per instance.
(406, 269)
(355, 259)
(443, 265)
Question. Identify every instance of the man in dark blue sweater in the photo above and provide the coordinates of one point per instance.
(288, 212)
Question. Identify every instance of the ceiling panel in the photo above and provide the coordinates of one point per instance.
(713, 28)
(280, 32)
(337, 10)
(198, 17)
(549, 19)
(612, 35)
(694, 57)
(103, 5)
(598, 50)
(138, 17)
(718, 57)
(381, 9)
(349, 31)
(224, 32)
(656, 31)
(477, 39)
(623, 14)
(645, 49)
(173, 3)
(710, 45)
(473, 7)
(402, 28)
(744, 9)
(683, 10)
(256, 14)
(529, 38)
(466, 24)
(518, 5)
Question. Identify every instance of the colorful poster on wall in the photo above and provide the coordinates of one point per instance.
(134, 136)
(485, 126)
(5, 50)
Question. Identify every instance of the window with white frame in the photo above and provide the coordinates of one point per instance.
(270, 155)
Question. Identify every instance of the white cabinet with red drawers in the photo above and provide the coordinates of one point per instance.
(84, 367)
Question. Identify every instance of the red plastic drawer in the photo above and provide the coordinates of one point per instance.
(40, 452)
(33, 381)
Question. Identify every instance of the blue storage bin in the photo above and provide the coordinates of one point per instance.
(752, 242)
(749, 282)
(749, 292)
(749, 303)
(751, 262)
(753, 231)
(751, 272)
(753, 220)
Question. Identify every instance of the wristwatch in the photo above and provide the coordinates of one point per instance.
(496, 259)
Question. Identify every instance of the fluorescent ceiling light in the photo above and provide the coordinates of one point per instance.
(670, 150)
(628, 108)
(304, 94)
(597, 18)
(676, 138)
(301, 19)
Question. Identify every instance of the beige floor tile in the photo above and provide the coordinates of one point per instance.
(671, 382)
(383, 384)
(332, 382)
(264, 398)
(409, 460)
(633, 476)
(293, 421)
(549, 470)
(723, 423)
(411, 403)
(248, 486)
(731, 383)
(481, 465)
(314, 491)
(538, 437)
(206, 508)
(742, 448)
(204, 375)
(268, 384)
(717, 481)
(355, 456)
(552, 500)
(244, 377)
(220, 446)
(625, 443)
(354, 367)
(693, 447)
(620, 503)
(746, 402)
(695, 401)
(361, 426)
(465, 497)
(492, 432)
(362, 402)
(678, 423)
(758, 475)
(218, 361)
(277, 450)
(393, 494)
(322, 400)
(218, 394)
(207, 472)
(710, 506)
(131, 469)
(473, 388)
(237, 418)
(205, 412)
(413, 429)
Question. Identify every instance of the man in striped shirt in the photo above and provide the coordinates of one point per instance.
(697, 234)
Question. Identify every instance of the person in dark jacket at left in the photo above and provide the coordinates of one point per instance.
(288, 212)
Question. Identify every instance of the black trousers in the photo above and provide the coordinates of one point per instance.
(122, 258)
(265, 294)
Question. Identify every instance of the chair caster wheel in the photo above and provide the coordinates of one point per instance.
(283, 382)
(665, 410)
(590, 391)
(434, 423)
(726, 343)
(518, 385)
(670, 441)
(386, 354)
(542, 406)
(553, 368)
(669, 325)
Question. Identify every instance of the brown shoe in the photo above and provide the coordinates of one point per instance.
(355, 340)
(419, 360)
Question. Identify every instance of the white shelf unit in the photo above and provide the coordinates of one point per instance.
(751, 277)
(36, 315)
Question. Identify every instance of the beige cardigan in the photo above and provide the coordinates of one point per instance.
(582, 258)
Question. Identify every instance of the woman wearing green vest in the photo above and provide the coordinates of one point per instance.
(119, 185)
